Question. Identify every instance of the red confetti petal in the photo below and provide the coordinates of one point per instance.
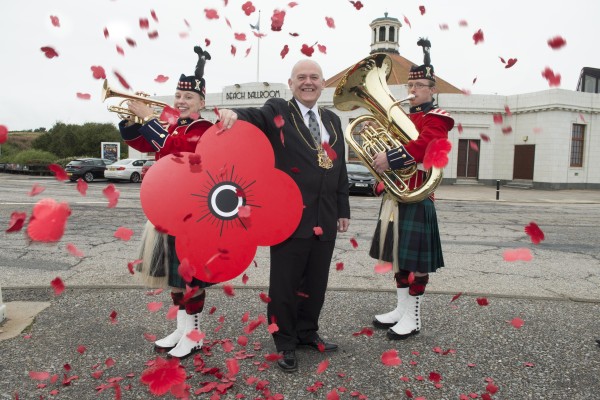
(55, 21)
(482, 301)
(364, 331)
(74, 250)
(82, 186)
(244, 211)
(122, 80)
(49, 52)
(98, 72)
(112, 194)
(383, 268)
(422, 10)
(39, 376)
(36, 189)
(240, 36)
(83, 96)
(353, 242)
(163, 375)
(318, 230)
(339, 266)
(534, 232)
(307, 50)
(161, 78)
(556, 42)
(81, 349)
(522, 254)
(279, 121)
(322, 48)
(517, 323)
(330, 22)
(17, 220)
(228, 290)
(58, 286)
(264, 298)
(510, 62)
(113, 317)
(248, 8)
(154, 306)
(552, 78)
(123, 233)
(478, 36)
(473, 145)
(210, 13)
(3, 134)
(484, 137)
(323, 365)
(277, 20)
(456, 296)
(233, 50)
(48, 220)
(436, 153)
(357, 4)
(284, 51)
(407, 22)
(106, 34)
(153, 15)
(59, 172)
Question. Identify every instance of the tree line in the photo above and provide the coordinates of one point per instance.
(62, 143)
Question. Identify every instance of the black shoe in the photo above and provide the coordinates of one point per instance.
(598, 342)
(320, 345)
(382, 325)
(395, 336)
(288, 362)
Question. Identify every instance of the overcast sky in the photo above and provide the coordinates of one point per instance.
(38, 91)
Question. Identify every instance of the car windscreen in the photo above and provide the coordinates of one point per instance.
(357, 168)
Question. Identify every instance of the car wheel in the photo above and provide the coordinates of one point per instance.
(135, 177)
(88, 177)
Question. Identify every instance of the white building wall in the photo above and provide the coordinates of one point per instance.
(543, 119)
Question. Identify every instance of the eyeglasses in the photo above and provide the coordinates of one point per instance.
(417, 85)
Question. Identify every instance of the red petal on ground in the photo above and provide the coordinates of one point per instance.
(98, 72)
(49, 52)
(330, 22)
(364, 331)
(491, 388)
(435, 377)
(161, 78)
(122, 80)
(154, 306)
(123, 233)
(482, 301)
(517, 322)
(36, 189)
(17, 220)
(82, 187)
(228, 290)
(557, 42)
(48, 220)
(81, 349)
(58, 286)
(264, 298)
(522, 254)
(272, 328)
(59, 172)
(149, 337)
(323, 365)
(39, 376)
(333, 395)
(534, 232)
(339, 266)
(74, 250)
(353, 242)
(478, 36)
(383, 268)
(390, 358)
(113, 317)
(456, 296)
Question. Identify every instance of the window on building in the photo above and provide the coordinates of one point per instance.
(392, 36)
(590, 84)
(577, 142)
(382, 34)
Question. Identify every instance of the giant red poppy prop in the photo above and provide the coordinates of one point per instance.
(202, 207)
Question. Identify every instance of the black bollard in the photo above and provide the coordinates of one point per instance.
(497, 189)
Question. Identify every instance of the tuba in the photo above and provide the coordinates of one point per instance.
(365, 85)
(123, 112)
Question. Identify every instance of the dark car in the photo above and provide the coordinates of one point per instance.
(146, 167)
(360, 179)
(87, 168)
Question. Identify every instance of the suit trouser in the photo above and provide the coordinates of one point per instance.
(297, 284)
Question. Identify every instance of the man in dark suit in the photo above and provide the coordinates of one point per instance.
(310, 148)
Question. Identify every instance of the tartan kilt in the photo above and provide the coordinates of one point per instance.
(419, 244)
(160, 264)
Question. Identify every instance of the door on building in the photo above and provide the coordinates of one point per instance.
(468, 159)
(524, 160)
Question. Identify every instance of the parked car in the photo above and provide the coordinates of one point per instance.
(146, 167)
(87, 168)
(360, 179)
(128, 169)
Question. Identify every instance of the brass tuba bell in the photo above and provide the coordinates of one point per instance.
(365, 85)
(124, 112)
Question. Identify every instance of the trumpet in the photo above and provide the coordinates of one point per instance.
(124, 112)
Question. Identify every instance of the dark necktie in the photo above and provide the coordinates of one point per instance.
(313, 126)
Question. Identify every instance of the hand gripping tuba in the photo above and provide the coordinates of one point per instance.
(365, 85)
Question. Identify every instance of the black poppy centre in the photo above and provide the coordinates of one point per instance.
(223, 200)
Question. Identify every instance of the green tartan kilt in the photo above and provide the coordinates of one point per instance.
(419, 245)
(175, 280)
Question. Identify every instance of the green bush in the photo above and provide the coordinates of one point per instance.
(32, 157)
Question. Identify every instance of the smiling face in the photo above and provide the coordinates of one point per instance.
(188, 103)
(422, 89)
(306, 82)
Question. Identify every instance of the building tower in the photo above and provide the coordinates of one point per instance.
(385, 35)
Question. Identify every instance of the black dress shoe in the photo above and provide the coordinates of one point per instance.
(320, 345)
(288, 362)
